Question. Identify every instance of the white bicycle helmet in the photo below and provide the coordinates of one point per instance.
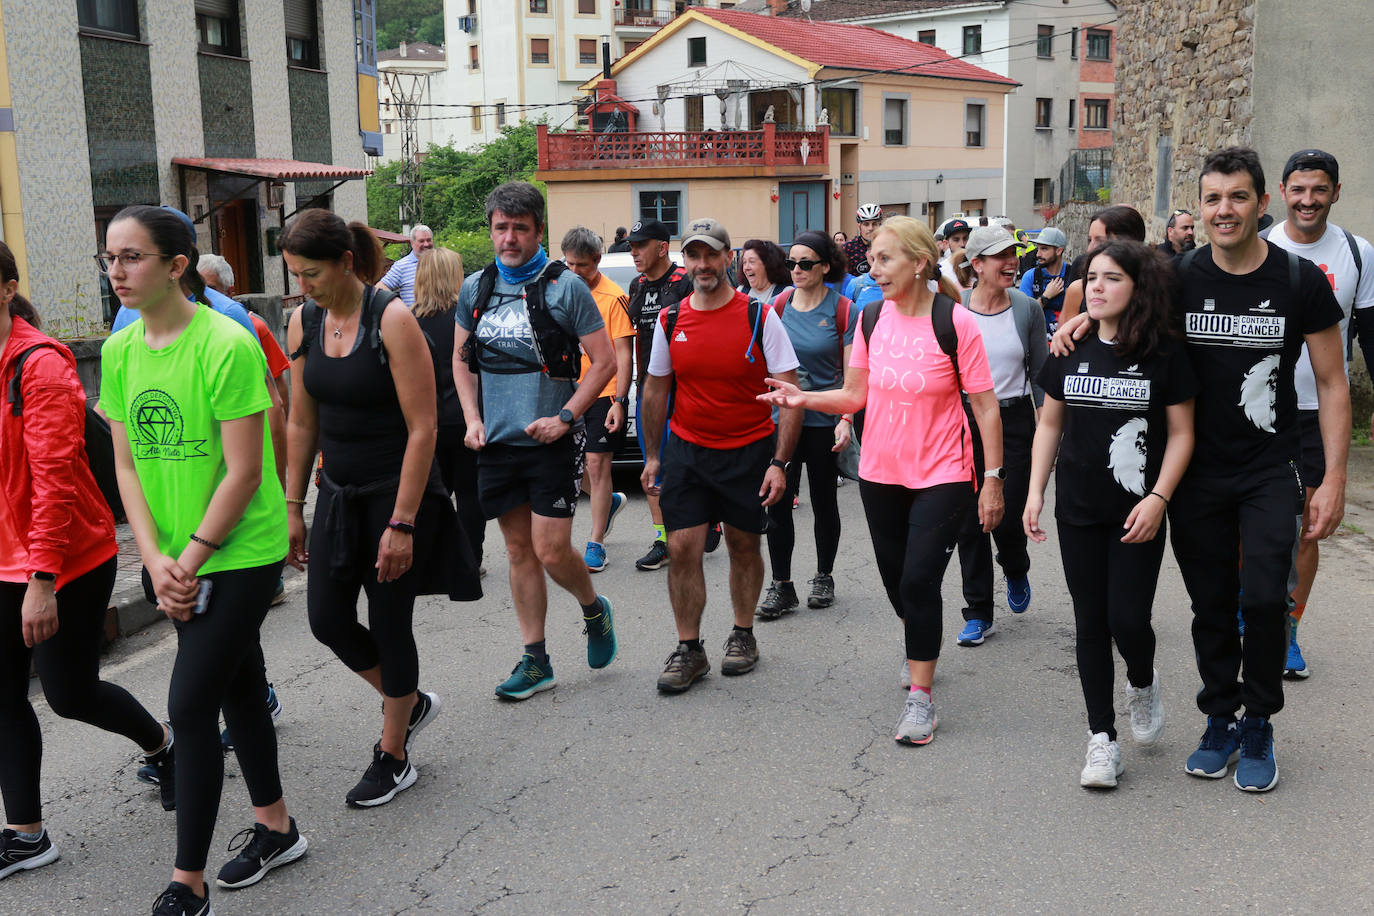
(869, 212)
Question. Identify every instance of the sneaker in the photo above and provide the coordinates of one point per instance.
(713, 538)
(180, 900)
(595, 557)
(683, 669)
(1018, 594)
(656, 557)
(260, 851)
(1146, 707)
(386, 777)
(779, 599)
(159, 769)
(741, 653)
(905, 679)
(1103, 763)
(274, 708)
(600, 633)
(618, 501)
(1296, 666)
(526, 679)
(24, 855)
(822, 591)
(918, 721)
(1257, 770)
(975, 631)
(425, 711)
(279, 596)
(1218, 749)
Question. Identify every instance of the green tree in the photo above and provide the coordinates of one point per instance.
(409, 20)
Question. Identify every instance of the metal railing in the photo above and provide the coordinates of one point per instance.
(655, 149)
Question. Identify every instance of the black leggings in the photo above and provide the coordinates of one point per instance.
(1113, 590)
(218, 666)
(458, 468)
(913, 533)
(814, 452)
(69, 667)
(975, 546)
(332, 603)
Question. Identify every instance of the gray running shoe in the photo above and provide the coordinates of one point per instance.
(918, 721)
(779, 599)
(1146, 707)
(822, 591)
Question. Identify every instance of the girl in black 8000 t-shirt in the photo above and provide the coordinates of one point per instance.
(1118, 413)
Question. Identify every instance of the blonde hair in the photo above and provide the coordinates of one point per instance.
(438, 279)
(916, 241)
(965, 274)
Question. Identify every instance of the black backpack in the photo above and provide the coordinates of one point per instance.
(374, 304)
(941, 316)
(559, 351)
(99, 444)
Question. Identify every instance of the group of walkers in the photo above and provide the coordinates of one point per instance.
(1167, 393)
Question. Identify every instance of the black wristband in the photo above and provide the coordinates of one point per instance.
(403, 527)
(1161, 496)
(43, 576)
(211, 544)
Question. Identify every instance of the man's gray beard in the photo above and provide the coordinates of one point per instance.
(697, 285)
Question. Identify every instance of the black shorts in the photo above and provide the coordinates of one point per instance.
(598, 440)
(546, 477)
(703, 485)
(1312, 464)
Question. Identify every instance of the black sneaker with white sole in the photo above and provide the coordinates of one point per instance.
(425, 710)
(180, 900)
(260, 850)
(19, 854)
(384, 780)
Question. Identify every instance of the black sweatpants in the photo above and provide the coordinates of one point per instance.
(975, 546)
(69, 668)
(1113, 589)
(914, 532)
(1217, 521)
(219, 666)
(813, 452)
(458, 468)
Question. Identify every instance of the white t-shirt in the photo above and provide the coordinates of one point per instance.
(1006, 355)
(1331, 254)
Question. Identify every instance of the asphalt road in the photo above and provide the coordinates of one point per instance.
(778, 792)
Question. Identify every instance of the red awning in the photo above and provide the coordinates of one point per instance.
(274, 169)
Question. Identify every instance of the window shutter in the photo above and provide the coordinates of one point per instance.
(300, 19)
(222, 9)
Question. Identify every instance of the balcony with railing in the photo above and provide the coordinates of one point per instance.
(582, 155)
(633, 18)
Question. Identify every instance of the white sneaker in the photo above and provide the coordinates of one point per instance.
(918, 721)
(1103, 763)
(905, 677)
(1146, 708)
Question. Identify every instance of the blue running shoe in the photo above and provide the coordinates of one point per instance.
(526, 679)
(1296, 666)
(600, 632)
(1218, 749)
(595, 557)
(618, 501)
(1018, 594)
(1257, 770)
(975, 631)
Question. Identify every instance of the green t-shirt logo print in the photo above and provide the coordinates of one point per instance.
(158, 428)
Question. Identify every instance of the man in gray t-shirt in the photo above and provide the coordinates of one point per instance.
(528, 431)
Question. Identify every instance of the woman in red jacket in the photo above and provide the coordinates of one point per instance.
(57, 569)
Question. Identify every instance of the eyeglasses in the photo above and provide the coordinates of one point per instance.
(130, 259)
(804, 264)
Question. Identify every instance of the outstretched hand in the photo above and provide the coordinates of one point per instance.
(783, 394)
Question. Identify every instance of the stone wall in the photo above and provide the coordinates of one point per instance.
(1073, 218)
(1183, 88)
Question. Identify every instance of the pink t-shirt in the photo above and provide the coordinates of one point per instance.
(915, 431)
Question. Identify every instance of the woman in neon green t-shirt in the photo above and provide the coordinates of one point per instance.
(183, 390)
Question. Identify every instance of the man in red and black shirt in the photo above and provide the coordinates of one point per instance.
(725, 460)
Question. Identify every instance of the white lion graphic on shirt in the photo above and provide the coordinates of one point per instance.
(1127, 455)
(1259, 392)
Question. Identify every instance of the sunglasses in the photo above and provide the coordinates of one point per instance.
(804, 264)
(1181, 213)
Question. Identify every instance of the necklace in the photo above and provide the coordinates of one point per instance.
(338, 331)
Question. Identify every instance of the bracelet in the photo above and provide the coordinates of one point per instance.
(1161, 496)
(295, 502)
(848, 418)
(403, 527)
(211, 544)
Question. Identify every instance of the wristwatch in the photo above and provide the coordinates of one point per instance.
(779, 463)
(44, 576)
(999, 473)
(623, 402)
(566, 416)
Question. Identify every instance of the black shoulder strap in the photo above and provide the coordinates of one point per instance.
(16, 394)
(942, 318)
(1294, 278)
(670, 321)
(486, 285)
(755, 313)
(1355, 254)
(869, 318)
(311, 318)
(1359, 269)
(375, 302)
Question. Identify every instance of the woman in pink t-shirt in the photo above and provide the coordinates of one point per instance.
(916, 468)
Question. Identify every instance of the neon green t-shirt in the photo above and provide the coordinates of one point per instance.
(171, 402)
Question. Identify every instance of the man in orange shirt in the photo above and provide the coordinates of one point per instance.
(606, 418)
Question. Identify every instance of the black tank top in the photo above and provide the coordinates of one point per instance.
(362, 430)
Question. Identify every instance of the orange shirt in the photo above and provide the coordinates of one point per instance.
(614, 307)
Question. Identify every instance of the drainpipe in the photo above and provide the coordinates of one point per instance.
(11, 214)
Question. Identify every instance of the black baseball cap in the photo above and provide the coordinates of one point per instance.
(955, 225)
(1307, 159)
(649, 229)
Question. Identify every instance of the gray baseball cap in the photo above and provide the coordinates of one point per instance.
(1053, 237)
(708, 231)
(986, 240)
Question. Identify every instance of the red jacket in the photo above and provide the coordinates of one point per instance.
(53, 517)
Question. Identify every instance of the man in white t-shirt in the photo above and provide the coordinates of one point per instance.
(1311, 184)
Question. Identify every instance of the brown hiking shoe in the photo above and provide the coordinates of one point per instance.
(683, 668)
(741, 653)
